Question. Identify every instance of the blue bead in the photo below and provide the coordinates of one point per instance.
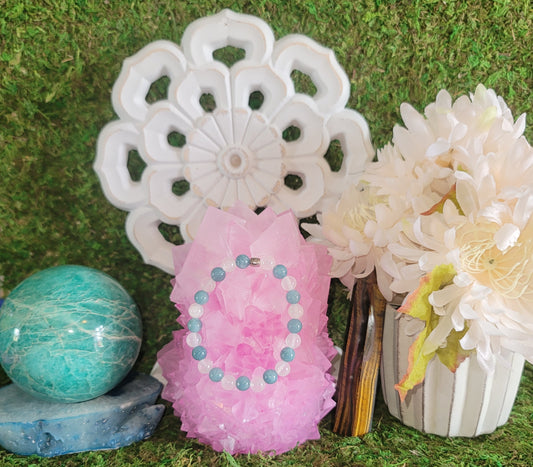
(279, 271)
(287, 354)
(242, 383)
(270, 376)
(242, 261)
(194, 325)
(218, 274)
(216, 374)
(294, 325)
(201, 297)
(293, 297)
(199, 352)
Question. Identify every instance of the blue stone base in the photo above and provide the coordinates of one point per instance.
(122, 416)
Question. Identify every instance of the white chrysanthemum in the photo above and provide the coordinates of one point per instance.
(451, 134)
(474, 136)
(409, 186)
(460, 180)
(456, 185)
(357, 231)
(492, 293)
(419, 166)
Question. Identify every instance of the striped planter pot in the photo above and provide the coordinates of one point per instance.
(465, 403)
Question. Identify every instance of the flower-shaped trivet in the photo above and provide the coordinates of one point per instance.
(259, 131)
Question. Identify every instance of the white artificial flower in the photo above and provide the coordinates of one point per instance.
(419, 167)
(357, 231)
(460, 178)
(454, 187)
(492, 293)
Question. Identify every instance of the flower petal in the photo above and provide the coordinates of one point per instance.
(506, 236)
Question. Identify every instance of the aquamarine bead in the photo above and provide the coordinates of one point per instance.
(287, 354)
(194, 325)
(293, 297)
(69, 334)
(199, 352)
(218, 274)
(201, 297)
(242, 383)
(242, 261)
(270, 376)
(279, 271)
(294, 325)
(216, 374)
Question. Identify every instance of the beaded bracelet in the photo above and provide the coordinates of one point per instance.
(294, 326)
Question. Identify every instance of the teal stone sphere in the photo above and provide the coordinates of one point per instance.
(69, 334)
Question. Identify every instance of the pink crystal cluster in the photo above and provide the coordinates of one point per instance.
(244, 327)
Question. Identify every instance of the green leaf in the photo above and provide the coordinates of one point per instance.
(453, 354)
(417, 305)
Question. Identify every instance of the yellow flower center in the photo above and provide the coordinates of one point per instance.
(507, 272)
(357, 207)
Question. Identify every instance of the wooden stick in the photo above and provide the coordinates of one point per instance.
(357, 384)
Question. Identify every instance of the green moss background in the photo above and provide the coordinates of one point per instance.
(58, 62)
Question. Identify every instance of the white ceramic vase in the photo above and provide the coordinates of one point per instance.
(465, 403)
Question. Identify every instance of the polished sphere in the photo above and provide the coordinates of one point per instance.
(69, 334)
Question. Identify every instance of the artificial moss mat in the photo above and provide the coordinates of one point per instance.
(58, 62)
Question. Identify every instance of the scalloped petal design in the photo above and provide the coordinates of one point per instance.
(232, 151)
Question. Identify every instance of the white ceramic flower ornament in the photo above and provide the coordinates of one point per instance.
(232, 152)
